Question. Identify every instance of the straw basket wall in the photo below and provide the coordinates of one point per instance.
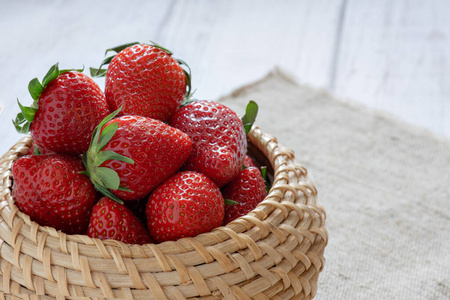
(274, 252)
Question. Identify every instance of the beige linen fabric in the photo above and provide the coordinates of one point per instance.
(384, 184)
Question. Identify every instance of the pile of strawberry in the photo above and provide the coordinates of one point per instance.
(142, 162)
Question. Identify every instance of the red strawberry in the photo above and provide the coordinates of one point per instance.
(248, 189)
(51, 190)
(186, 205)
(218, 138)
(146, 80)
(111, 220)
(249, 162)
(67, 106)
(133, 155)
(24, 173)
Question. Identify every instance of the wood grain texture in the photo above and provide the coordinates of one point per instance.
(394, 56)
(230, 43)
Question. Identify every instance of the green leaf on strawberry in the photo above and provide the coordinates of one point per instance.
(24, 118)
(230, 202)
(188, 75)
(101, 72)
(21, 124)
(251, 111)
(97, 72)
(264, 171)
(51, 75)
(119, 48)
(152, 43)
(104, 179)
(28, 112)
(35, 88)
(36, 150)
(264, 176)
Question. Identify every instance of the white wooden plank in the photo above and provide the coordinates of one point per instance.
(231, 43)
(394, 56)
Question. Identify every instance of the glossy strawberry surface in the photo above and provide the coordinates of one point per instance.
(218, 138)
(24, 192)
(111, 220)
(248, 189)
(158, 151)
(69, 108)
(146, 81)
(51, 190)
(186, 205)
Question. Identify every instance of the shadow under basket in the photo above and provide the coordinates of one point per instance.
(274, 252)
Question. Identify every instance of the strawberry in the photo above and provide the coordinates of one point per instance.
(248, 189)
(132, 155)
(218, 137)
(67, 106)
(111, 220)
(145, 79)
(186, 205)
(24, 173)
(51, 190)
(249, 162)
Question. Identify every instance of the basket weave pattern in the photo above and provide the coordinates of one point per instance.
(274, 252)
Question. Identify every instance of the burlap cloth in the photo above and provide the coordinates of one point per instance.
(384, 184)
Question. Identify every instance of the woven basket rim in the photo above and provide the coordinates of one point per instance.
(265, 225)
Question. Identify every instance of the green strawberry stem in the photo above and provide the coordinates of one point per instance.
(36, 150)
(35, 88)
(101, 72)
(188, 75)
(152, 43)
(251, 111)
(264, 176)
(23, 119)
(230, 202)
(119, 48)
(104, 179)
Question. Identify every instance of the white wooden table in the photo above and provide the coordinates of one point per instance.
(390, 55)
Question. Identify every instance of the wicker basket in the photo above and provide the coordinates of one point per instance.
(274, 252)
